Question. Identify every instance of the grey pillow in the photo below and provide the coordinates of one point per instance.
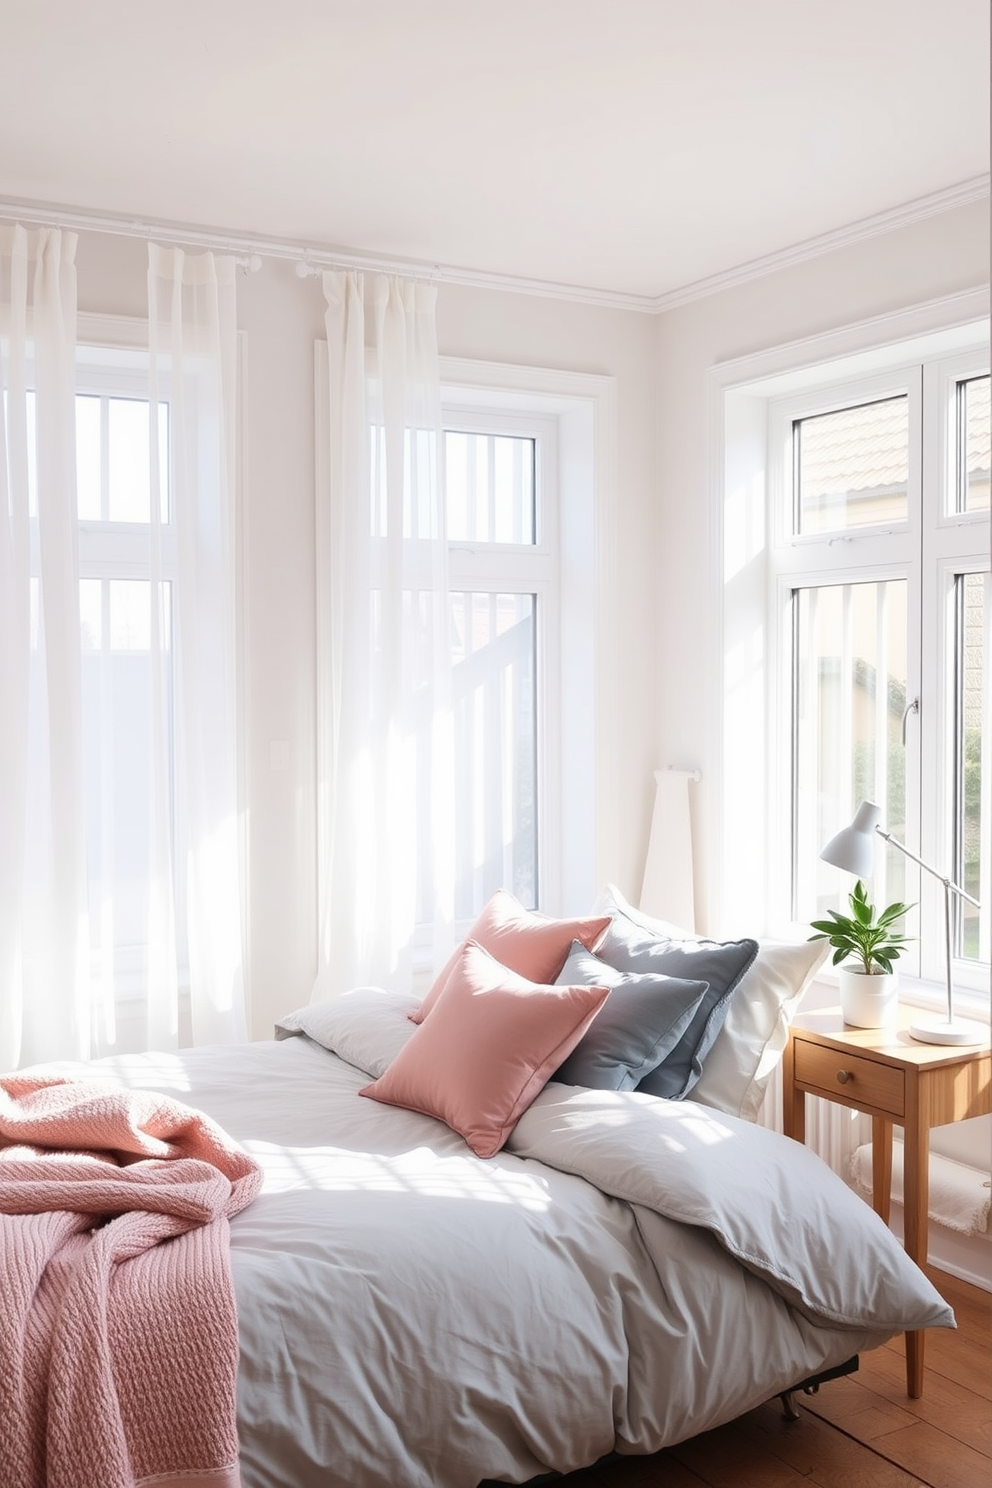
(629, 947)
(639, 1023)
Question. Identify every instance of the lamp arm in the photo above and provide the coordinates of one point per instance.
(948, 883)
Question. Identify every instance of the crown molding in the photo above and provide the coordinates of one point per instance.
(322, 255)
(315, 255)
(961, 195)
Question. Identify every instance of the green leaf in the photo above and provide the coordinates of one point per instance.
(863, 912)
(828, 927)
(894, 912)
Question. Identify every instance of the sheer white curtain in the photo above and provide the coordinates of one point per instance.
(44, 982)
(192, 335)
(383, 652)
(120, 863)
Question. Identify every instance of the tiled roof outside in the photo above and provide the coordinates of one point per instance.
(979, 428)
(855, 450)
(854, 463)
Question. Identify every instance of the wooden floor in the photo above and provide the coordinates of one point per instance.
(858, 1432)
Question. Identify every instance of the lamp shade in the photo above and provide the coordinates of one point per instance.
(853, 848)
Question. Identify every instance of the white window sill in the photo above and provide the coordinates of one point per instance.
(930, 997)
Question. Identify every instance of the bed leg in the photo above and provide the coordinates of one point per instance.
(790, 1409)
(811, 1386)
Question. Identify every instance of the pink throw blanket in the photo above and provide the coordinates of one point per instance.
(118, 1324)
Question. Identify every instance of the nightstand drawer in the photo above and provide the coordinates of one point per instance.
(849, 1077)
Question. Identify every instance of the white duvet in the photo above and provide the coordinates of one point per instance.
(411, 1314)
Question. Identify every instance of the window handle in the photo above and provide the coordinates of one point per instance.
(912, 707)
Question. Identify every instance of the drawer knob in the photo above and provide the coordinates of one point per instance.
(844, 1075)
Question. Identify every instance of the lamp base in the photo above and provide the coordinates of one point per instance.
(948, 1031)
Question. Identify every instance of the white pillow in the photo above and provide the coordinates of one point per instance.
(749, 1046)
(366, 1027)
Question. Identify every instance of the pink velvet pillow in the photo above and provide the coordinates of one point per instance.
(532, 944)
(490, 1045)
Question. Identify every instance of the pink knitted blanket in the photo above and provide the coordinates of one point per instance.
(118, 1325)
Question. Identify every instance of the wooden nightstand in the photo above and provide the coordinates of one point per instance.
(891, 1078)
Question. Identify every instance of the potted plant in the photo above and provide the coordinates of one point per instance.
(869, 993)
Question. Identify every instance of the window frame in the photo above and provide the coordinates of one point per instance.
(586, 775)
(933, 545)
(870, 554)
(949, 340)
(584, 408)
(112, 358)
(524, 568)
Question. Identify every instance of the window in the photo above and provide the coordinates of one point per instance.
(127, 572)
(525, 625)
(502, 566)
(879, 500)
(126, 644)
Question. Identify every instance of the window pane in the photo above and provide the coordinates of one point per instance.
(850, 682)
(495, 748)
(112, 459)
(89, 464)
(973, 444)
(128, 460)
(117, 676)
(489, 488)
(415, 503)
(973, 814)
(852, 467)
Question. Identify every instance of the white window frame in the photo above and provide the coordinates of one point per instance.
(112, 361)
(112, 358)
(886, 551)
(582, 848)
(525, 568)
(578, 784)
(751, 824)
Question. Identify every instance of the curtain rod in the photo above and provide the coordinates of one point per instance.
(246, 247)
(313, 256)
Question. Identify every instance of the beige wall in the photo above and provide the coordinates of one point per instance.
(940, 256)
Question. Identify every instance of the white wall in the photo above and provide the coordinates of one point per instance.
(281, 317)
(939, 256)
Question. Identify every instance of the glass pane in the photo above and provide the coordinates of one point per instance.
(495, 748)
(126, 453)
(91, 614)
(489, 488)
(973, 816)
(850, 683)
(88, 458)
(973, 444)
(418, 493)
(128, 460)
(852, 467)
(118, 672)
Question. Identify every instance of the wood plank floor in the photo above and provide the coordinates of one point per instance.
(858, 1432)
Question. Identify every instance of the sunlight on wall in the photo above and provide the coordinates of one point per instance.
(744, 525)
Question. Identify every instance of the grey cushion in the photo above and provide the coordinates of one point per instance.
(631, 948)
(636, 1028)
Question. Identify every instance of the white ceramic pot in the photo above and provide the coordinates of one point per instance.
(868, 1001)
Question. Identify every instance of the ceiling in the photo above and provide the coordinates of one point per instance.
(628, 147)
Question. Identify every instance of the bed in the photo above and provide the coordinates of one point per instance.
(622, 1272)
